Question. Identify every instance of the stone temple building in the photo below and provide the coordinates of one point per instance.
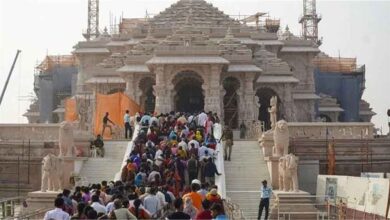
(192, 56)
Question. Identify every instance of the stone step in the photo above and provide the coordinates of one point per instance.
(96, 170)
(244, 173)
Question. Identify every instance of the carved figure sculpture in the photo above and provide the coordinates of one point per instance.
(84, 110)
(66, 141)
(51, 173)
(288, 173)
(273, 111)
(281, 139)
(290, 178)
(281, 170)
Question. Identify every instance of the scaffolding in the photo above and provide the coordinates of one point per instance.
(335, 64)
(51, 62)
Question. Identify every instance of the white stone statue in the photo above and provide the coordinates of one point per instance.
(66, 140)
(288, 173)
(273, 110)
(292, 170)
(281, 171)
(281, 139)
(51, 173)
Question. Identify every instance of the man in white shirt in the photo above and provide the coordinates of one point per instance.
(152, 176)
(151, 202)
(127, 120)
(161, 196)
(99, 208)
(159, 153)
(195, 142)
(202, 152)
(190, 118)
(266, 193)
(202, 118)
(57, 213)
(183, 144)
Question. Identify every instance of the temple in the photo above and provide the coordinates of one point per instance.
(277, 109)
(192, 57)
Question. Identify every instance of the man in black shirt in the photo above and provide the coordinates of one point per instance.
(105, 123)
(99, 144)
(179, 214)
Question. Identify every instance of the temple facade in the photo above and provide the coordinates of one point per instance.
(192, 57)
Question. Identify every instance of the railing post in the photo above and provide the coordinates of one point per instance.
(12, 208)
(3, 209)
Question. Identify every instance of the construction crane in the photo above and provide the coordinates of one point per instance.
(309, 21)
(9, 76)
(93, 20)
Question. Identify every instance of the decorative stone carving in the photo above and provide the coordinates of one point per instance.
(51, 173)
(84, 112)
(273, 111)
(292, 170)
(281, 139)
(288, 173)
(66, 140)
(281, 172)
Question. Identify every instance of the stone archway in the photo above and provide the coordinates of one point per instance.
(231, 101)
(264, 95)
(147, 99)
(188, 92)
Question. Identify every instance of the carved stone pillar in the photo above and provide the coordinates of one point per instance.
(130, 86)
(213, 91)
(222, 93)
(249, 96)
(163, 98)
(288, 104)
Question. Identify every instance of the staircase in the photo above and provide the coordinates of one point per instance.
(96, 170)
(244, 174)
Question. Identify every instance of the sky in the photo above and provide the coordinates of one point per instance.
(349, 28)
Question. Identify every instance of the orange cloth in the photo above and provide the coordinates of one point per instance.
(196, 200)
(116, 105)
(70, 110)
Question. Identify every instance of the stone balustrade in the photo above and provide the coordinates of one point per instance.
(38, 132)
(337, 130)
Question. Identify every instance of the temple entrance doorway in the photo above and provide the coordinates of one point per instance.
(188, 92)
(265, 95)
(148, 99)
(230, 102)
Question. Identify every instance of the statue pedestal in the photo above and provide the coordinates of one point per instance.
(267, 143)
(273, 169)
(71, 166)
(40, 200)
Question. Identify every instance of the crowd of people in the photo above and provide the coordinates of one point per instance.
(170, 174)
